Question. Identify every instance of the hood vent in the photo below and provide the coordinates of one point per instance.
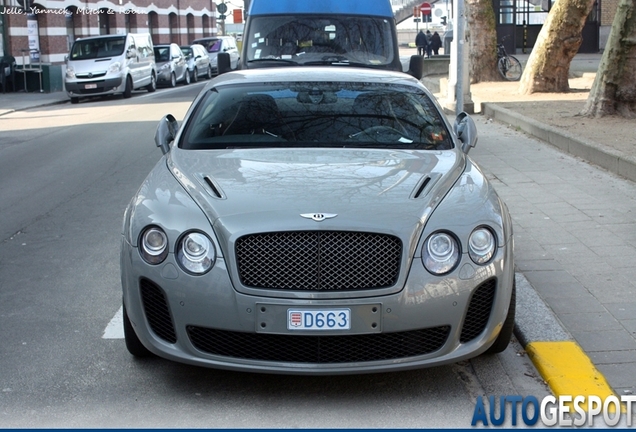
(214, 190)
(419, 189)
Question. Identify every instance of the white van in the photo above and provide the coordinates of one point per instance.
(110, 64)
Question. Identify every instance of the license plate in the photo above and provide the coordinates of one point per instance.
(324, 319)
(90, 86)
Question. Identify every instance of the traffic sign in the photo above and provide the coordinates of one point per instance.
(222, 8)
(425, 8)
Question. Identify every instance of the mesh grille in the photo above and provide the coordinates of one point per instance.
(318, 349)
(157, 311)
(478, 311)
(318, 260)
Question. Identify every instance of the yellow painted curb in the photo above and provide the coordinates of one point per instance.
(568, 370)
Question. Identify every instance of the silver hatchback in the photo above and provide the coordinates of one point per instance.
(171, 65)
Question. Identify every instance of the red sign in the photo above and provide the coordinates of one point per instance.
(425, 8)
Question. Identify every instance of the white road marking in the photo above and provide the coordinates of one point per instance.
(115, 328)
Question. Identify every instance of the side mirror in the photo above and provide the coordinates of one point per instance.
(166, 132)
(466, 130)
(223, 63)
(130, 54)
(416, 66)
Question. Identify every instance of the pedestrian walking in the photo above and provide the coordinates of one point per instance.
(428, 44)
(436, 43)
(421, 42)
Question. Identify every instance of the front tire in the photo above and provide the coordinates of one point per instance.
(186, 77)
(502, 341)
(173, 80)
(209, 73)
(133, 344)
(153, 84)
(195, 75)
(128, 88)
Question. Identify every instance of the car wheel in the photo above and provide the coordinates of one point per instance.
(209, 74)
(133, 344)
(153, 84)
(128, 88)
(186, 77)
(501, 343)
(195, 75)
(173, 80)
(74, 100)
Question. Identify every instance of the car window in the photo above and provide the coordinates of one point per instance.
(215, 46)
(162, 53)
(306, 40)
(316, 115)
(98, 48)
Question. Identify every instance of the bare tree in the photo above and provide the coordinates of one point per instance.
(558, 42)
(614, 88)
(480, 20)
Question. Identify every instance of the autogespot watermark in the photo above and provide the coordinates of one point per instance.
(563, 410)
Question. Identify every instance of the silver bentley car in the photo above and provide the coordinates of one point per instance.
(329, 222)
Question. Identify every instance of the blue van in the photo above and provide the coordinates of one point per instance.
(322, 32)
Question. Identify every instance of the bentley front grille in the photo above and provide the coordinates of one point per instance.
(318, 349)
(318, 260)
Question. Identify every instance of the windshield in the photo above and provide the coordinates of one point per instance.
(162, 54)
(316, 114)
(98, 48)
(306, 39)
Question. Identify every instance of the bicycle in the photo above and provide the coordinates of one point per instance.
(509, 67)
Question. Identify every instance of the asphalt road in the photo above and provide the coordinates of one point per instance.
(66, 175)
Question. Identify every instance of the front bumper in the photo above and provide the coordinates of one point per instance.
(94, 87)
(163, 76)
(204, 321)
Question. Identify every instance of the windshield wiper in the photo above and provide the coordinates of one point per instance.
(292, 62)
(337, 61)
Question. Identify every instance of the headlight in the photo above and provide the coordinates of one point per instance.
(440, 253)
(70, 73)
(196, 253)
(481, 245)
(115, 67)
(153, 245)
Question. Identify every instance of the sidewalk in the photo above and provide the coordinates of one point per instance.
(575, 237)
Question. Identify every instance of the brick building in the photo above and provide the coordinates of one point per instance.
(50, 26)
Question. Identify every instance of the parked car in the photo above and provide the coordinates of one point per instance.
(171, 65)
(198, 62)
(218, 44)
(329, 222)
(110, 64)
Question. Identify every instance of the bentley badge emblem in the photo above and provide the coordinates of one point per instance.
(319, 217)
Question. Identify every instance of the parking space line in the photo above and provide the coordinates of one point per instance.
(115, 328)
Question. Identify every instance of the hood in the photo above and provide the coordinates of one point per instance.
(97, 67)
(249, 190)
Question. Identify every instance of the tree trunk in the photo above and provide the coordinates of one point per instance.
(482, 40)
(558, 42)
(614, 88)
